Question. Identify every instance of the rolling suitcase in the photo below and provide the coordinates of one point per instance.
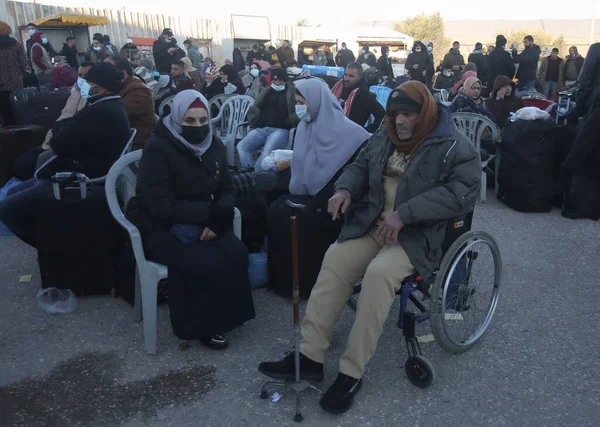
(48, 105)
(316, 232)
(77, 239)
(14, 141)
(22, 104)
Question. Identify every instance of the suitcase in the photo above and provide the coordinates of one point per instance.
(48, 105)
(14, 141)
(316, 232)
(22, 104)
(321, 70)
(526, 180)
(78, 241)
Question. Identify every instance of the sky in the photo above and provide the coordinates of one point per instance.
(291, 12)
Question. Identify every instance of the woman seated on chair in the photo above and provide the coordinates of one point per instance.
(184, 208)
(503, 100)
(255, 80)
(326, 140)
(469, 99)
(228, 82)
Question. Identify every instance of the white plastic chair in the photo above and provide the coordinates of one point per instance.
(100, 179)
(167, 101)
(230, 123)
(218, 100)
(473, 127)
(148, 273)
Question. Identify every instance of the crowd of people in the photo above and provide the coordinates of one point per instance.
(366, 162)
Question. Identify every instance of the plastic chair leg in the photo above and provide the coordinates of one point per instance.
(230, 144)
(483, 188)
(149, 293)
(137, 307)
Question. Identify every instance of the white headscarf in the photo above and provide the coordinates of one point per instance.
(180, 105)
(323, 145)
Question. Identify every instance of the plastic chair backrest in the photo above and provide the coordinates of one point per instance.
(473, 126)
(444, 95)
(167, 101)
(232, 113)
(218, 100)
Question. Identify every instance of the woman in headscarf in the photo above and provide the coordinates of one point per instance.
(503, 101)
(469, 99)
(326, 140)
(184, 209)
(254, 81)
(228, 82)
(470, 71)
(194, 73)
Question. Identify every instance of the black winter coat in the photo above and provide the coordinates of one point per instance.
(365, 103)
(423, 60)
(384, 66)
(162, 57)
(589, 81)
(528, 63)
(93, 139)
(176, 187)
(500, 63)
(71, 54)
(480, 60)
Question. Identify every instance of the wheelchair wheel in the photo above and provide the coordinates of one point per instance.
(465, 293)
(419, 371)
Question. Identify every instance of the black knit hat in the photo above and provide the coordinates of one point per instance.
(400, 101)
(280, 74)
(106, 75)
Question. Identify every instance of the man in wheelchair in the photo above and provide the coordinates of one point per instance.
(415, 174)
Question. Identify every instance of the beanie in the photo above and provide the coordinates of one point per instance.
(106, 75)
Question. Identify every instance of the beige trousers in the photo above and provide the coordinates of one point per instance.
(382, 268)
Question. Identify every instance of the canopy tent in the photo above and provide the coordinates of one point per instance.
(71, 20)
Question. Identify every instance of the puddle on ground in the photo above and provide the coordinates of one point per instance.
(85, 390)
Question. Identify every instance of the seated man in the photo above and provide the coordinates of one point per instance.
(396, 212)
(271, 117)
(445, 80)
(356, 99)
(181, 79)
(139, 106)
(89, 142)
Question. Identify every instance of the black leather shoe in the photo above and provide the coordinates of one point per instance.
(285, 369)
(216, 342)
(339, 397)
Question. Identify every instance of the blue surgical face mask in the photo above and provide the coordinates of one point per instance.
(254, 72)
(277, 88)
(31, 32)
(84, 88)
(302, 113)
(429, 48)
(44, 40)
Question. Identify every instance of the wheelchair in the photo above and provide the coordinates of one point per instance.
(459, 304)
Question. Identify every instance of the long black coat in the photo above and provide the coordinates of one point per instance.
(365, 103)
(162, 57)
(500, 63)
(93, 139)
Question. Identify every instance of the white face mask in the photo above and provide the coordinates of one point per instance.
(97, 48)
(343, 47)
(229, 89)
(254, 72)
(277, 88)
(302, 113)
(417, 50)
(364, 51)
(84, 88)
(31, 32)
(44, 40)
(168, 40)
(429, 48)
(448, 73)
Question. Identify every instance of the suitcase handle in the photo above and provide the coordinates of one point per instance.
(63, 178)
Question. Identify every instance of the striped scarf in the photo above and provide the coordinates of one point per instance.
(337, 91)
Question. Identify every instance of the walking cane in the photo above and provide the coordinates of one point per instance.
(298, 385)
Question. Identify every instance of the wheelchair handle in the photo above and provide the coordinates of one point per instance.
(293, 205)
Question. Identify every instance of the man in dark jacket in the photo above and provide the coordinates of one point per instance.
(418, 62)
(384, 65)
(356, 99)
(367, 57)
(344, 56)
(165, 51)
(253, 55)
(69, 51)
(80, 144)
(528, 64)
(499, 62)
(395, 222)
(589, 81)
(479, 59)
(271, 117)
(454, 59)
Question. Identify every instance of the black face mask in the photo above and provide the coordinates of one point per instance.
(195, 134)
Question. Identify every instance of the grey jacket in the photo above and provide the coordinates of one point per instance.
(441, 182)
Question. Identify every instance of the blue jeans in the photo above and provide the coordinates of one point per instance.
(551, 87)
(267, 138)
(525, 86)
(16, 210)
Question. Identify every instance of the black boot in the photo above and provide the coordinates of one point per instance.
(339, 397)
(285, 369)
(216, 342)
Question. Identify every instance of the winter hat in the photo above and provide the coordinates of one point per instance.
(279, 73)
(106, 75)
(400, 101)
(501, 40)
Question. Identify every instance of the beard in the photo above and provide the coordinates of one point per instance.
(404, 133)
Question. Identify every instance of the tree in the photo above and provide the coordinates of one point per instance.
(544, 40)
(427, 27)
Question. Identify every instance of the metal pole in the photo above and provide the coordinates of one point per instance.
(296, 301)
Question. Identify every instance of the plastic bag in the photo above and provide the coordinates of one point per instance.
(55, 301)
(529, 113)
(272, 161)
(257, 269)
